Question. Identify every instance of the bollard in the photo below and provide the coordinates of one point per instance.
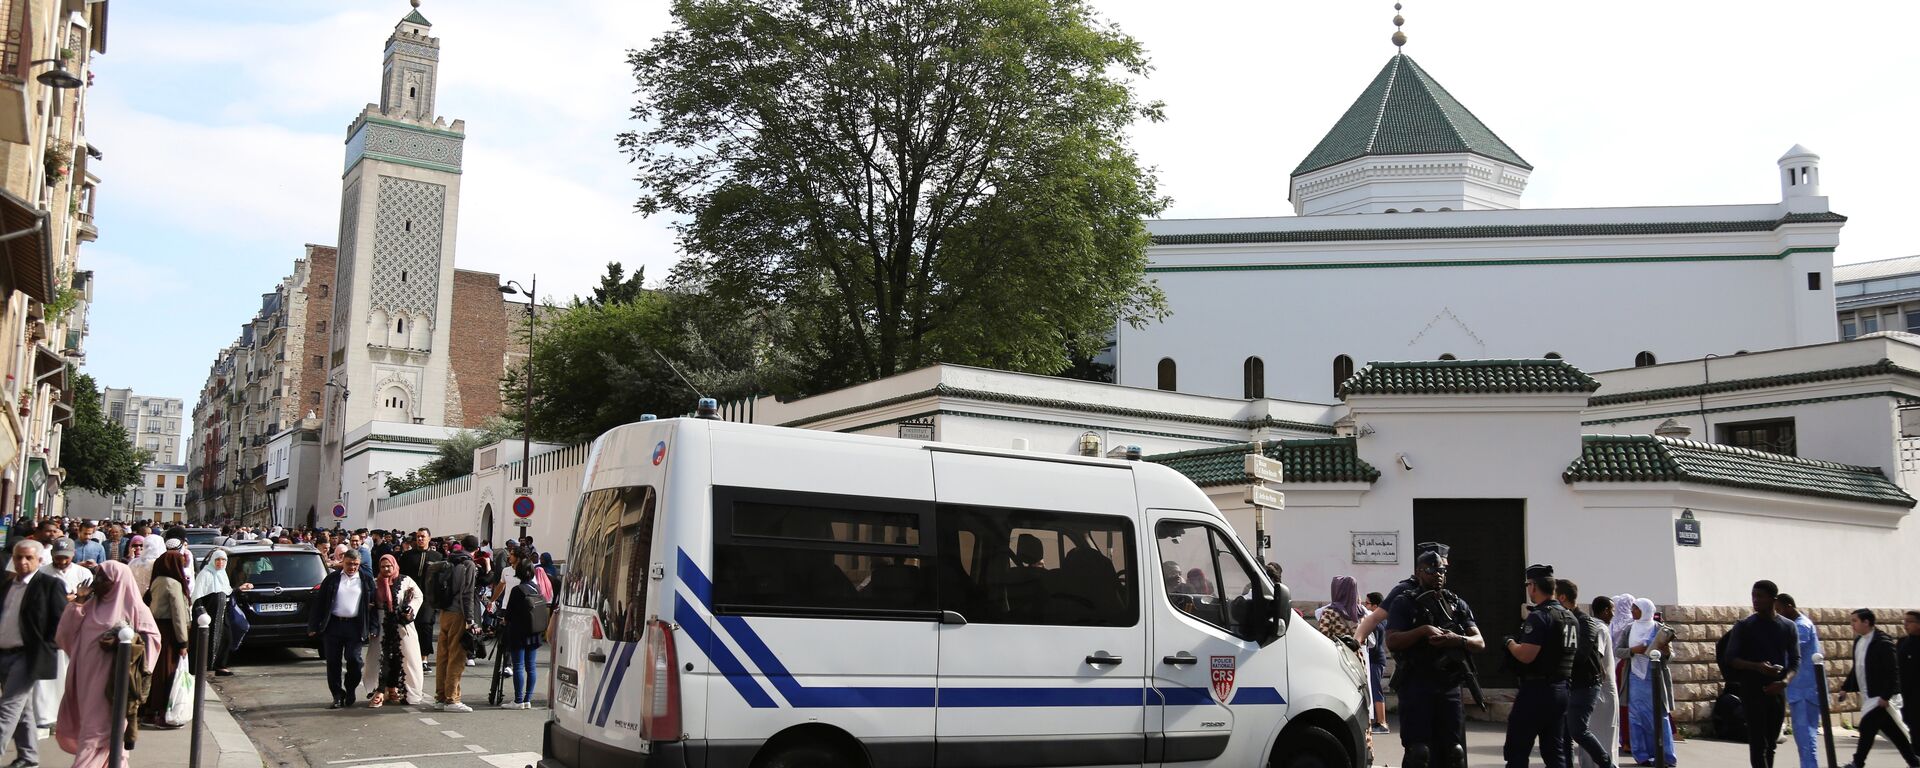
(1657, 688)
(1826, 711)
(197, 663)
(122, 657)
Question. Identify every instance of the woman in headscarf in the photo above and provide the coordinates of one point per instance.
(546, 564)
(1646, 635)
(167, 598)
(87, 633)
(1340, 618)
(395, 653)
(1622, 619)
(142, 553)
(213, 592)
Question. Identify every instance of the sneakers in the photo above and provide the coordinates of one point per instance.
(438, 706)
(1380, 728)
(510, 705)
(457, 707)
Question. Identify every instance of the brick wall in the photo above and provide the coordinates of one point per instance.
(305, 378)
(1696, 673)
(483, 331)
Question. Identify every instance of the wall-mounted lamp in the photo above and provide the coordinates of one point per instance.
(58, 77)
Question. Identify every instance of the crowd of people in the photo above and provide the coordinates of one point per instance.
(1581, 672)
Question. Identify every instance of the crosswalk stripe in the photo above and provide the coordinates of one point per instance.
(512, 759)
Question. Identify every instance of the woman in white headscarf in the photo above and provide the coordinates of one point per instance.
(1643, 636)
(141, 563)
(212, 592)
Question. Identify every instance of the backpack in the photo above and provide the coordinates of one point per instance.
(1588, 661)
(443, 586)
(539, 612)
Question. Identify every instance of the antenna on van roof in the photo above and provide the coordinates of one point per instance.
(676, 372)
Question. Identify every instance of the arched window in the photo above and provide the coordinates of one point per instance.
(1553, 355)
(1168, 374)
(1643, 360)
(1448, 356)
(1253, 378)
(400, 326)
(1342, 370)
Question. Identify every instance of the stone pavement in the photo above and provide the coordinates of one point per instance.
(1484, 742)
(222, 745)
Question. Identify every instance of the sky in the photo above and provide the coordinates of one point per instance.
(223, 126)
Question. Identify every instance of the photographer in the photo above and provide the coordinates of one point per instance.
(1430, 631)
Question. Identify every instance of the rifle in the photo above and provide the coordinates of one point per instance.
(1439, 604)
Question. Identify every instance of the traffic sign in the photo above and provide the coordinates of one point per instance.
(523, 507)
(1262, 468)
(340, 510)
(1268, 498)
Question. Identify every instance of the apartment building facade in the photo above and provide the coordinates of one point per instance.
(154, 424)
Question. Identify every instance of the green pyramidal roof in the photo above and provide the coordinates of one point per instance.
(416, 18)
(1405, 112)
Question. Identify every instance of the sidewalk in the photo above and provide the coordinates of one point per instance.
(222, 745)
(1484, 741)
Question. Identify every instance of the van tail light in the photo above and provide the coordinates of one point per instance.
(660, 702)
(597, 634)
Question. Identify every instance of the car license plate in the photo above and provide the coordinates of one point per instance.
(569, 688)
(276, 607)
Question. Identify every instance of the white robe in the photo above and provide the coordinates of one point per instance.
(1605, 720)
(411, 675)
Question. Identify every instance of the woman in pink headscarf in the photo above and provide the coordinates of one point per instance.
(86, 715)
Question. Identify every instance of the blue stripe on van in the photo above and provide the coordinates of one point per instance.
(696, 581)
(600, 690)
(619, 675)
(798, 695)
(723, 660)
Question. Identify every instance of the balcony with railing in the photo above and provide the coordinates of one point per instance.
(16, 55)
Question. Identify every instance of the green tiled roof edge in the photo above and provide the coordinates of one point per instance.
(1902, 397)
(1466, 377)
(1311, 460)
(1884, 366)
(1601, 229)
(1404, 111)
(943, 390)
(1649, 458)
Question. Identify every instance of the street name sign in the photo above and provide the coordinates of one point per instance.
(1266, 498)
(1262, 468)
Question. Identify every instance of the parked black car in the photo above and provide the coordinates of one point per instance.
(285, 581)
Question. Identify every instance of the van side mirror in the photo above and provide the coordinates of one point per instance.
(1282, 606)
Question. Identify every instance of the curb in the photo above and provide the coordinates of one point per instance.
(233, 748)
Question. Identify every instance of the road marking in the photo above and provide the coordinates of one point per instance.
(452, 734)
(512, 759)
(392, 757)
(429, 721)
(389, 765)
(475, 748)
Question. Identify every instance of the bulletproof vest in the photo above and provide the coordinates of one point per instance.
(1423, 661)
(1555, 661)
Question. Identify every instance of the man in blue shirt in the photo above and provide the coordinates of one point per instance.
(1803, 692)
(87, 552)
(1763, 650)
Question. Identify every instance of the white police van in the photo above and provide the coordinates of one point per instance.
(743, 595)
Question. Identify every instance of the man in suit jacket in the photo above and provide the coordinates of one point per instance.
(1876, 677)
(30, 606)
(1910, 672)
(342, 617)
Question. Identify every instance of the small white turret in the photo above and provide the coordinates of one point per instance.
(1799, 173)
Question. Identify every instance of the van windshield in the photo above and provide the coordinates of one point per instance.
(612, 549)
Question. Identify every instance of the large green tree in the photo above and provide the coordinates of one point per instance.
(97, 453)
(904, 181)
(453, 456)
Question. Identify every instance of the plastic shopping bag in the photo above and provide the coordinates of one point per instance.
(180, 706)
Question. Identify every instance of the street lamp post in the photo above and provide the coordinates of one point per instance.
(526, 387)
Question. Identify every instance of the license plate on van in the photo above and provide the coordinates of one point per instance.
(569, 687)
(276, 607)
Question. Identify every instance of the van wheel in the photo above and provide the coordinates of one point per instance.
(813, 756)
(1311, 747)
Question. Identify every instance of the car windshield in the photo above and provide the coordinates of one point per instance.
(281, 569)
(202, 537)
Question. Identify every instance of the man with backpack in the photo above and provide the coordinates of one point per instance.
(1592, 674)
(455, 593)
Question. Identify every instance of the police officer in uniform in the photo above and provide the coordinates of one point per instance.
(1430, 631)
(1545, 651)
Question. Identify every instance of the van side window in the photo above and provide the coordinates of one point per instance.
(793, 553)
(1019, 566)
(612, 549)
(1203, 575)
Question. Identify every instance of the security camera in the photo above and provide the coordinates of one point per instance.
(1405, 463)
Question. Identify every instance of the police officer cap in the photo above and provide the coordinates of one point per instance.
(1430, 546)
(1537, 571)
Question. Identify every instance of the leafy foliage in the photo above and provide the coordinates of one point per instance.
(902, 182)
(453, 457)
(616, 288)
(97, 453)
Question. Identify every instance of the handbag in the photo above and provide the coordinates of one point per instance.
(180, 706)
(237, 625)
(476, 647)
